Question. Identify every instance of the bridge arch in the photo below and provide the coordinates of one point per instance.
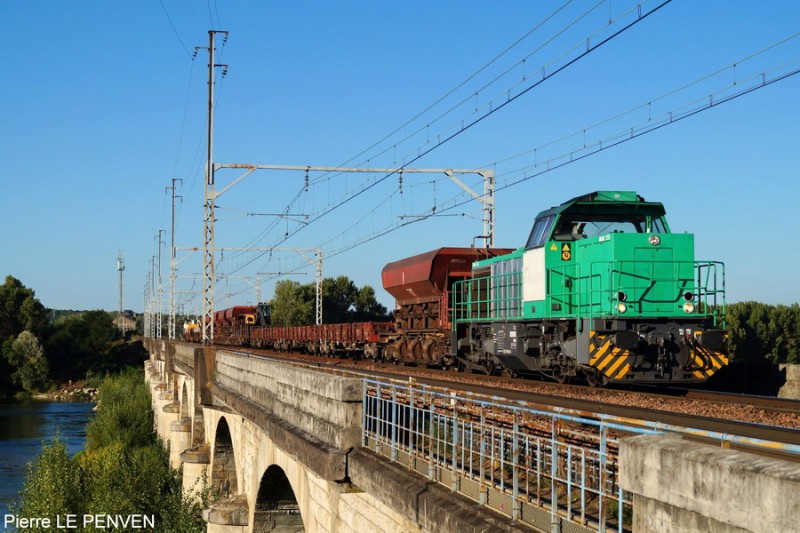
(276, 509)
(223, 472)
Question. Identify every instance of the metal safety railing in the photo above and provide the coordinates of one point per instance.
(539, 468)
(551, 468)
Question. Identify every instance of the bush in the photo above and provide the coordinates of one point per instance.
(124, 413)
(52, 486)
(123, 471)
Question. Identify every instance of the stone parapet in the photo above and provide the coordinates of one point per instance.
(790, 389)
(185, 354)
(683, 486)
(325, 406)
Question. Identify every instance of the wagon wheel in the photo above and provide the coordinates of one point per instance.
(561, 377)
(457, 366)
(492, 368)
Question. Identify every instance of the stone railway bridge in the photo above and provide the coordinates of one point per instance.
(281, 446)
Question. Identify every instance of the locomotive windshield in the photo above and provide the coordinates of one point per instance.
(576, 226)
(573, 227)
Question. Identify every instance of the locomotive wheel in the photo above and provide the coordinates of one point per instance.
(593, 377)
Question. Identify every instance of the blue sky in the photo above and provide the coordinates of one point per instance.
(101, 105)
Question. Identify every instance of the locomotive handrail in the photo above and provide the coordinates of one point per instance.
(718, 311)
(485, 298)
(465, 307)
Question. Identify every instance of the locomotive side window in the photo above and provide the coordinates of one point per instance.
(657, 225)
(540, 232)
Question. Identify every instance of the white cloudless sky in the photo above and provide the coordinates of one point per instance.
(102, 104)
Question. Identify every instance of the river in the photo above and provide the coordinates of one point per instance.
(23, 426)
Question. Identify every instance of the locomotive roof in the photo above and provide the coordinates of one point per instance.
(607, 201)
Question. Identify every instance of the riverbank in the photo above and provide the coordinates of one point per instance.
(79, 391)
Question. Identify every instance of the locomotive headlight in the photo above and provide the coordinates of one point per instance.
(621, 307)
(688, 307)
(655, 240)
(621, 296)
(688, 296)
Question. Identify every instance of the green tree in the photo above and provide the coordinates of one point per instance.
(342, 301)
(760, 332)
(367, 306)
(338, 298)
(81, 342)
(26, 354)
(291, 305)
(19, 311)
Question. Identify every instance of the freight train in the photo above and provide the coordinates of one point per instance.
(602, 291)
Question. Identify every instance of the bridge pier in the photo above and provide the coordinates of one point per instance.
(228, 516)
(195, 463)
(169, 414)
(180, 439)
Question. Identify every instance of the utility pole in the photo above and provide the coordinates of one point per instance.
(159, 300)
(145, 314)
(173, 264)
(317, 261)
(209, 198)
(120, 269)
(151, 282)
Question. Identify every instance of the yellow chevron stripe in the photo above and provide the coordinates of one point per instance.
(610, 372)
(602, 364)
(601, 352)
(623, 371)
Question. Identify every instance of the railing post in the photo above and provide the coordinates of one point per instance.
(454, 463)
(484, 495)
(516, 505)
(601, 511)
(555, 523)
(431, 458)
(394, 424)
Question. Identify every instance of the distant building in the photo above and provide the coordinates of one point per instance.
(124, 323)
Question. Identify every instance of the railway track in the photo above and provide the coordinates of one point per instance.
(771, 403)
(768, 419)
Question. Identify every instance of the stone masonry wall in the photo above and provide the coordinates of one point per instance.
(683, 486)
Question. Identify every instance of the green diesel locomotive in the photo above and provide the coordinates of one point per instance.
(603, 290)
